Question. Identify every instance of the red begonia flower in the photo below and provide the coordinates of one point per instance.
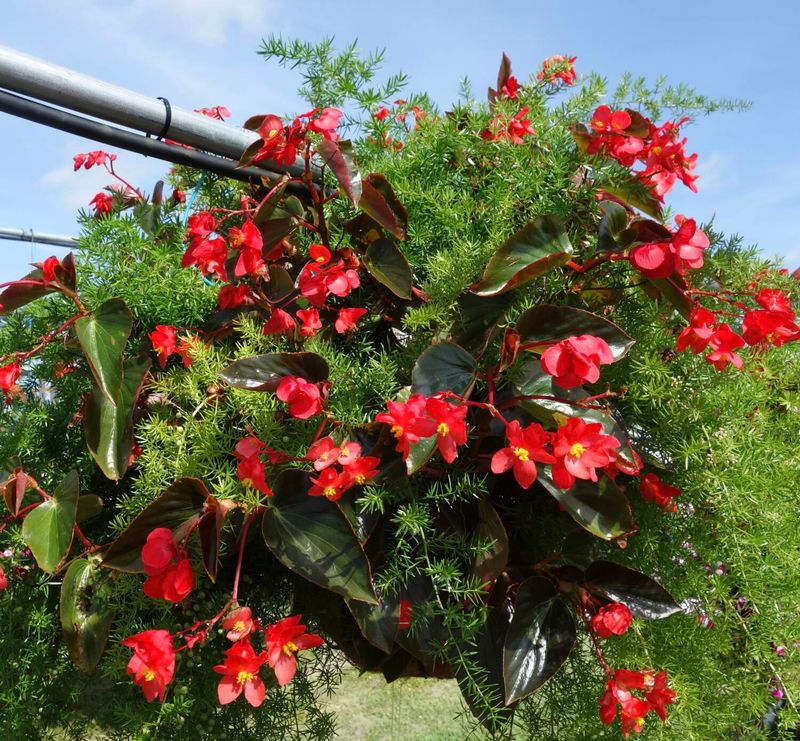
(249, 243)
(653, 260)
(613, 619)
(319, 253)
(526, 446)
(240, 674)
(576, 360)
(331, 484)
(605, 120)
(774, 300)
(347, 319)
(362, 469)
(688, 244)
(209, 255)
(558, 67)
(152, 663)
(381, 113)
(230, 296)
(769, 327)
(451, 427)
(250, 469)
(169, 573)
(653, 489)
(723, 342)
(9, 375)
(103, 204)
(511, 89)
(280, 322)
(164, 339)
(238, 623)
(580, 449)
(408, 422)
(326, 123)
(284, 639)
(3, 579)
(304, 398)
(201, 225)
(634, 709)
(696, 336)
(323, 453)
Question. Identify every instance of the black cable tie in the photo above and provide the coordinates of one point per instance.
(167, 119)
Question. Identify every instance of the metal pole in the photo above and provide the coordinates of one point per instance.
(32, 110)
(78, 92)
(28, 235)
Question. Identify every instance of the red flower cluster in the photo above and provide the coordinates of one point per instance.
(90, 159)
(423, 417)
(281, 143)
(169, 573)
(250, 469)
(558, 67)
(208, 253)
(774, 323)
(510, 89)
(511, 129)
(627, 138)
(355, 470)
(103, 203)
(613, 619)
(284, 639)
(152, 663)
(580, 449)
(633, 709)
(303, 397)
(164, 339)
(248, 242)
(526, 446)
(320, 278)
(576, 360)
(683, 251)
(653, 489)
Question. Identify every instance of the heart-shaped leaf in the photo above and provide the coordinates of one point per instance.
(378, 623)
(20, 293)
(264, 372)
(388, 266)
(108, 426)
(601, 508)
(641, 594)
(613, 223)
(477, 318)
(178, 508)
(543, 325)
(87, 611)
(634, 192)
(47, 529)
(312, 537)
(103, 335)
(534, 250)
(382, 205)
(540, 637)
(443, 367)
(340, 157)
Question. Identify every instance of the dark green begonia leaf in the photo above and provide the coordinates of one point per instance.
(47, 529)
(641, 594)
(612, 225)
(89, 505)
(534, 250)
(443, 367)
(264, 372)
(489, 528)
(378, 623)
(477, 318)
(382, 205)
(209, 531)
(384, 262)
(340, 157)
(103, 335)
(540, 637)
(108, 425)
(179, 508)
(601, 508)
(541, 326)
(87, 610)
(310, 536)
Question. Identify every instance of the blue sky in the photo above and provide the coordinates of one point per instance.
(202, 53)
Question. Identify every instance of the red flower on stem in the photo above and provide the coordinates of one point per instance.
(209, 255)
(310, 322)
(9, 375)
(103, 204)
(408, 422)
(240, 674)
(634, 709)
(152, 663)
(330, 484)
(347, 319)
(451, 426)
(238, 623)
(169, 573)
(3, 579)
(613, 619)
(526, 446)
(653, 489)
(250, 469)
(248, 243)
(576, 360)
(723, 342)
(280, 322)
(304, 398)
(284, 640)
(558, 67)
(164, 340)
(580, 449)
(696, 336)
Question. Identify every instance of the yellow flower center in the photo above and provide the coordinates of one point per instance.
(345, 452)
(521, 453)
(360, 478)
(443, 429)
(272, 134)
(577, 450)
(243, 677)
(289, 648)
(397, 431)
(329, 492)
(238, 626)
(149, 675)
(324, 457)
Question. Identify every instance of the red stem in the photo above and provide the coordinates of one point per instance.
(45, 340)
(235, 593)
